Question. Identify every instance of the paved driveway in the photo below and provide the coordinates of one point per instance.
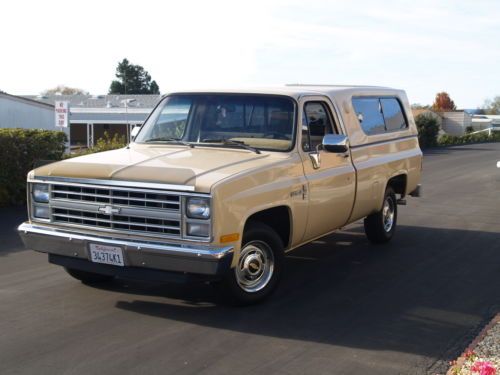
(345, 307)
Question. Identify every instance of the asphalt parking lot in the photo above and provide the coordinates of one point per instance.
(344, 307)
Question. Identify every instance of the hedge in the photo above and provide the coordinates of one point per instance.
(450, 140)
(20, 149)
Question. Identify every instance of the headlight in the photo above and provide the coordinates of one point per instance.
(41, 212)
(41, 193)
(198, 229)
(198, 208)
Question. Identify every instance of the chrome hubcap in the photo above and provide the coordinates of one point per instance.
(388, 214)
(255, 267)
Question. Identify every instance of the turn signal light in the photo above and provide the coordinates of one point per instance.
(233, 237)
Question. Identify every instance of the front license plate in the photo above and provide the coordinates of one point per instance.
(106, 254)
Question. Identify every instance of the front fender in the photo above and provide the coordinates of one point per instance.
(238, 198)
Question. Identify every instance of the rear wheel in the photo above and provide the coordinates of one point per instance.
(88, 277)
(259, 266)
(380, 226)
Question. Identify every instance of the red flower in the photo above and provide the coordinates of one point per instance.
(484, 368)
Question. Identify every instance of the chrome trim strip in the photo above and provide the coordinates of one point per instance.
(128, 184)
(197, 252)
(402, 138)
(104, 230)
(129, 223)
(133, 211)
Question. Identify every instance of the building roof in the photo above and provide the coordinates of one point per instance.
(99, 101)
(25, 100)
(107, 117)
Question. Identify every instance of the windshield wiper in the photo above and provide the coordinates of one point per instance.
(169, 139)
(230, 142)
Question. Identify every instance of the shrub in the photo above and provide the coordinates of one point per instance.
(428, 126)
(469, 129)
(449, 140)
(103, 144)
(20, 149)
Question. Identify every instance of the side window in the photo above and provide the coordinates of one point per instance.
(393, 114)
(316, 122)
(369, 114)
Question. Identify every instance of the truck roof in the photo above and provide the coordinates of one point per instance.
(298, 90)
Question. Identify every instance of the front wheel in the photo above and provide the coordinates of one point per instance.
(259, 266)
(380, 226)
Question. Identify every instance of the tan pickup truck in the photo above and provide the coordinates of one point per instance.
(220, 185)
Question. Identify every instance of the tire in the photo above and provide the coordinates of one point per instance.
(380, 226)
(259, 266)
(88, 277)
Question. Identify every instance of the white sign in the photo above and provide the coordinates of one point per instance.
(62, 114)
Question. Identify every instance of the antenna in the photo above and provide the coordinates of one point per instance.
(126, 103)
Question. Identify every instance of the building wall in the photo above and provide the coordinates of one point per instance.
(20, 114)
(14, 114)
(455, 123)
(481, 124)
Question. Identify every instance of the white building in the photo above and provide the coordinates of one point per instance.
(92, 115)
(481, 122)
(21, 112)
(456, 122)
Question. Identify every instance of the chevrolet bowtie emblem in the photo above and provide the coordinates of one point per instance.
(108, 210)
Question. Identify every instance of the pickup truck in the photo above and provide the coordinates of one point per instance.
(219, 185)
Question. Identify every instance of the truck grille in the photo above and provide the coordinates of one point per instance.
(116, 208)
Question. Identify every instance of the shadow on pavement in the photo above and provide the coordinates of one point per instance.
(10, 218)
(422, 293)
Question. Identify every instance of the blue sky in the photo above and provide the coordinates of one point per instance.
(420, 46)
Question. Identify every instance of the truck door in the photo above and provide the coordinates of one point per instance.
(331, 176)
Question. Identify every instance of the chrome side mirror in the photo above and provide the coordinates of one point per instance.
(135, 130)
(337, 143)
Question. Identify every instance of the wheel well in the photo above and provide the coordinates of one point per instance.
(278, 218)
(398, 183)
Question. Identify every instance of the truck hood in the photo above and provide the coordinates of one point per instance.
(199, 167)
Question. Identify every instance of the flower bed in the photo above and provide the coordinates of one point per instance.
(482, 357)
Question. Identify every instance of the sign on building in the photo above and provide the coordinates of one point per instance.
(62, 114)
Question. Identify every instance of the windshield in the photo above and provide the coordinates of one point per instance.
(260, 121)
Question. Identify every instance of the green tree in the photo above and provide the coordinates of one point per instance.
(428, 125)
(132, 79)
(443, 103)
(492, 107)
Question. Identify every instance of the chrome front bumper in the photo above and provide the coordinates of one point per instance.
(189, 259)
